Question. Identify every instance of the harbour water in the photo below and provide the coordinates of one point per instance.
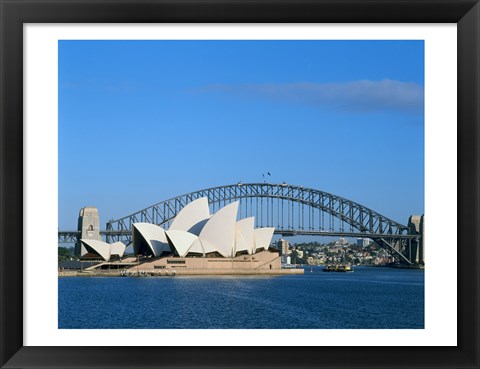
(376, 298)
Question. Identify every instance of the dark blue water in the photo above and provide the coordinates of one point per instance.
(366, 298)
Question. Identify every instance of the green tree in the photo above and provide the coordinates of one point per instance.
(65, 253)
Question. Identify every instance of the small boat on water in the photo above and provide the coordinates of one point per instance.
(330, 268)
(343, 268)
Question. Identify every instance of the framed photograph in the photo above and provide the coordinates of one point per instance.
(215, 109)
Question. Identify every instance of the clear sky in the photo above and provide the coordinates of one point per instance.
(144, 121)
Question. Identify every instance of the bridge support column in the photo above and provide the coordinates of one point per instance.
(89, 226)
(416, 227)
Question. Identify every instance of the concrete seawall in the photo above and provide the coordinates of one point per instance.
(238, 271)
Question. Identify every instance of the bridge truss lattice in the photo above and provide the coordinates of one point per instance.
(292, 210)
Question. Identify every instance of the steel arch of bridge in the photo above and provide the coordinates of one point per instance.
(292, 210)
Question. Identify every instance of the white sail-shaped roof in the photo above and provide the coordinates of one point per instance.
(241, 244)
(97, 247)
(207, 246)
(191, 216)
(153, 235)
(181, 240)
(244, 238)
(117, 248)
(219, 231)
(197, 247)
(195, 231)
(263, 236)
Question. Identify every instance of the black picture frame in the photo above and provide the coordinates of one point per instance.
(15, 13)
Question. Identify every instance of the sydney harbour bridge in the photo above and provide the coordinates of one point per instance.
(292, 210)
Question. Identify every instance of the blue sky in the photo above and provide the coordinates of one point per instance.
(143, 121)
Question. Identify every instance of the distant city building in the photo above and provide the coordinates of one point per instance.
(341, 241)
(286, 259)
(363, 242)
(283, 246)
(300, 253)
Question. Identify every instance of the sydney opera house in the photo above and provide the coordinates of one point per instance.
(96, 248)
(197, 239)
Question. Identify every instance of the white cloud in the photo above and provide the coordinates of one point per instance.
(356, 96)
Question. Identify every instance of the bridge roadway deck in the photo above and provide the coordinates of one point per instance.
(72, 235)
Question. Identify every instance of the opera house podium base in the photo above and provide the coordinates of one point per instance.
(261, 263)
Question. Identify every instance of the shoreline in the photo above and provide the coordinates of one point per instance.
(180, 272)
